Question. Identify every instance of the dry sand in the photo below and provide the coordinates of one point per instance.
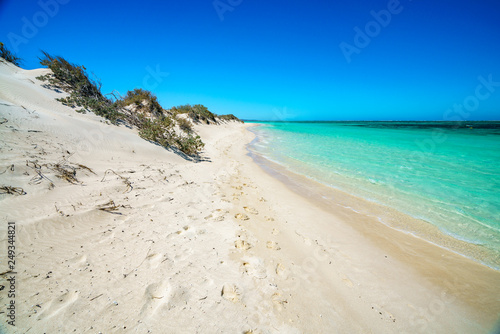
(217, 246)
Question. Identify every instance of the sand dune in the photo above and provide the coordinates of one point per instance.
(143, 241)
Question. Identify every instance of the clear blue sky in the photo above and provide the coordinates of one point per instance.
(278, 59)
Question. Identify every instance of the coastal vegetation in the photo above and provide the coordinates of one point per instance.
(8, 55)
(139, 108)
(198, 113)
(84, 92)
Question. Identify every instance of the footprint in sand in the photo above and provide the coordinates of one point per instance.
(154, 260)
(79, 260)
(269, 219)
(281, 271)
(217, 215)
(242, 244)
(156, 295)
(253, 211)
(58, 305)
(231, 292)
(278, 300)
(273, 245)
(275, 231)
(306, 240)
(241, 216)
(254, 267)
(347, 282)
(106, 236)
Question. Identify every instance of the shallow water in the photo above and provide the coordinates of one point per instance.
(445, 173)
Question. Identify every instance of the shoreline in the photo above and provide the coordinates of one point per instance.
(424, 256)
(326, 195)
(214, 246)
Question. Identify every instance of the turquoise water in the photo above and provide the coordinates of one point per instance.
(445, 173)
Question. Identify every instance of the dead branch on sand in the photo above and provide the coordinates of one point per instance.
(12, 190)
(124, 179)
(111, 207)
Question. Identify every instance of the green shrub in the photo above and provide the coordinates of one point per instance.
(84, 92)
(202, 113)
(190, 145)
(182, 109)
(229, 117)
(184, 125)
(9, 56)
(144, 100)
(159, 131)
(152, 123)
(198, 113)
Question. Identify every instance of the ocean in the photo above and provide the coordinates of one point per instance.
(446, 174)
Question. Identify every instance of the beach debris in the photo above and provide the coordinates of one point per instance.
(140, 264)
(3, 120)
(96, 297)
(125, 180)
(12, 190)
(11, 167)
(231, 292)
(86, 168)
(58, 210)
(111, 207)
(65, 172)
(37, 179)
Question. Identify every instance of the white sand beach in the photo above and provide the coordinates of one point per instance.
(145, 241)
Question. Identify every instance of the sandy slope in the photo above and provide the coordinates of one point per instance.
(217, 246)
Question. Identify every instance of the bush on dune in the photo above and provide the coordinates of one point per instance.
(190, 144)
(184, 124)
(229, 118)
(161, 131)
(83, 91)
(139, 107)
(158, 131)
(9, 56)
(143, 100)
(198, 113)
